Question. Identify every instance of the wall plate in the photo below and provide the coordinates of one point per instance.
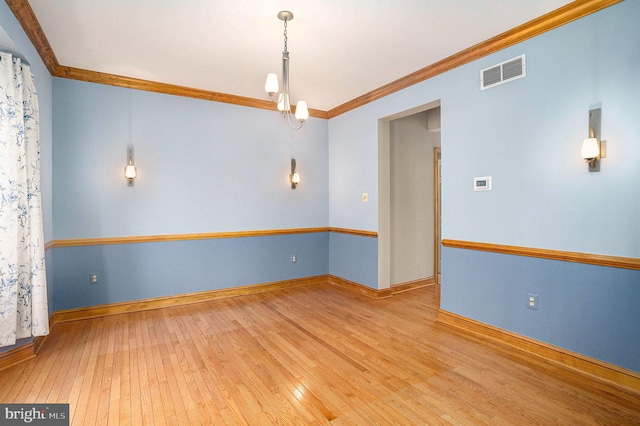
(482, 183)
(532, 301)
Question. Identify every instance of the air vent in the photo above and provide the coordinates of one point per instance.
(510, 70)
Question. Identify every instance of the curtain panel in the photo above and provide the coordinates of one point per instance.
(23, 287)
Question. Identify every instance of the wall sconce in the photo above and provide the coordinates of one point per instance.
(294, 177)
(593, 149)
(130, 171)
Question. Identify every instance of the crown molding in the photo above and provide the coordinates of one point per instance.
(554, 19)
(169, 89)
(25, 16)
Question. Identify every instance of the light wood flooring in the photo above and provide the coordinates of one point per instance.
(309, 355)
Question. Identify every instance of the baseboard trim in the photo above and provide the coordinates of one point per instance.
(17, 355)
(384, 293)
(25, 352)
(178, 300)
(360, 288)
(185, 299)
(38, 343)
(566, 358)
(30, 350)
(412, 285)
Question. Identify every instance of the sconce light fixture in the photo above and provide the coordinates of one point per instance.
(130, 171)
(294, 177)
(593, 149)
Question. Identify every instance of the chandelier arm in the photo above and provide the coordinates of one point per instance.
(293, 125)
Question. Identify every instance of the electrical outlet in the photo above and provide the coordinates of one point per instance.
(365, 197)
(294, 258)
(532, 301)
(93, 278)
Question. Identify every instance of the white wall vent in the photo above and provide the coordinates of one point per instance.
(504, 72)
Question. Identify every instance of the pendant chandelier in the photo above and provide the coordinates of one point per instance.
(283, 98)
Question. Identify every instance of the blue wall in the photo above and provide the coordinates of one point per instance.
(354, 258)
(527, 135)
(203, 166)
(588, 309)
(146, 270)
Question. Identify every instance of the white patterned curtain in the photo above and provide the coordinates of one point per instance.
(23, 287)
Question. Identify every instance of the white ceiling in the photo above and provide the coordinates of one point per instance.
(340, 49)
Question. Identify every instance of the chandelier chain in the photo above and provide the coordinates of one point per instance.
(285, 34)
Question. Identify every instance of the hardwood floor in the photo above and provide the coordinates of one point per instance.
(309, 355)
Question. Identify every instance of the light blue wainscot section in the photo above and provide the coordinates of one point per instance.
(129, 272)
(202, 166)
(354, 258)
(588, 309)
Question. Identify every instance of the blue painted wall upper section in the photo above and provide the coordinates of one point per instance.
(526, 135)
(203, 166)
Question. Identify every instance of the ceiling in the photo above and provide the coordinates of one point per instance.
(340, 49)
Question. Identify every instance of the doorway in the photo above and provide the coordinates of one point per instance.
(407, 251)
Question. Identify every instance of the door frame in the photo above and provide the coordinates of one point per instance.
(437, 163)
(384, 191)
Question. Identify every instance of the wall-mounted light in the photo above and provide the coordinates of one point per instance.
(130, 171)
(593, 149)
(294, 177)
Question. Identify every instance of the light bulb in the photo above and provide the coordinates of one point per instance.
(302, 112)
(590, 148)
(130, 172)
(271, 86)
